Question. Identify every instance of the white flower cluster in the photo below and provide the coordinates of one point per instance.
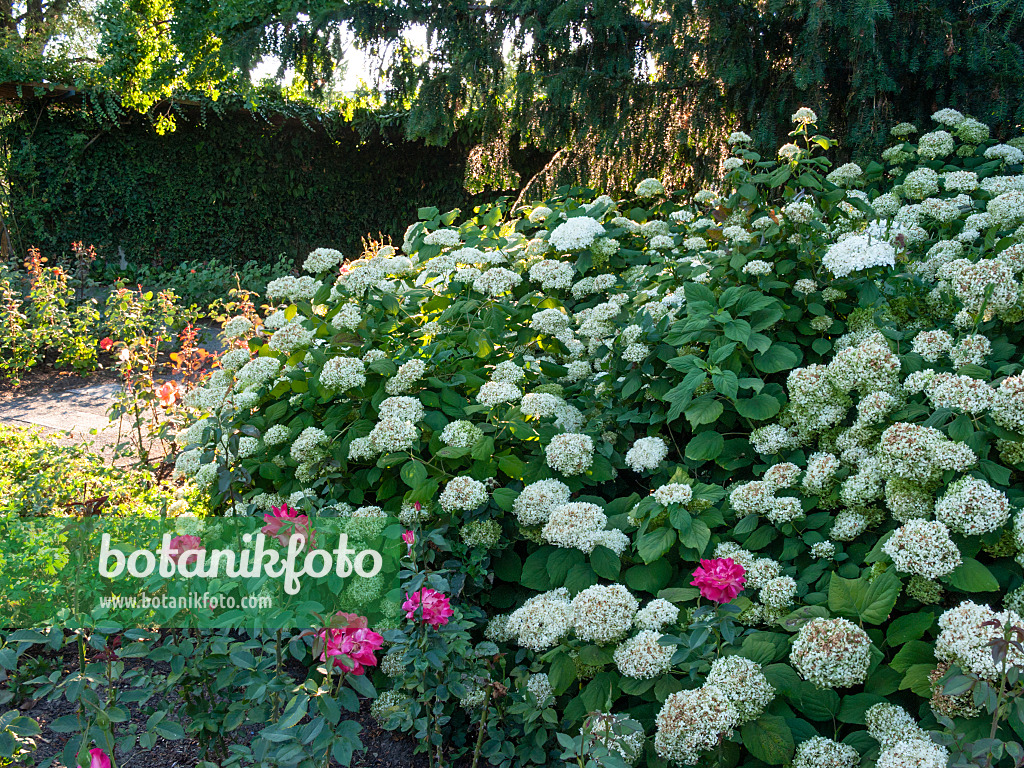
(542, 621)
(923, 547)
(965, 642)
(552, 275)
(646, 454)
(831, 653)
(656, 615)
(973, 507)
(603, 613)
(461, 434)
(857, 253)
(691, 722)
(291, 337)
(576, 234)
(462, 494)
(673, 493)
(495, 393)
(343, 373)
(539, 685)
(321, 260)
(535, 502)
(580, 525)
(570, 453)
(649, 188)
(819, 752)
(408, 374)
(642, 657)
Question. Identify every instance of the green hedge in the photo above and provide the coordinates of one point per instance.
(234, 188)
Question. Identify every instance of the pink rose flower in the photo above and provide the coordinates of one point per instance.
(409, 537)
(184, 548)
(354, 641)
(719, 580)
(436, 607)
(284, 522)
(98, 758)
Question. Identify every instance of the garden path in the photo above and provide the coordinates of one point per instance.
(77, 410)
(74, 411)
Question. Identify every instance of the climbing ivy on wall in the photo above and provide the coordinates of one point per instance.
(232, 186)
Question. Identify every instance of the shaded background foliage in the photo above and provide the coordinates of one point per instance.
(234, 186)
(523, 95)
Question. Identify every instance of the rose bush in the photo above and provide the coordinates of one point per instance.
(811, 378)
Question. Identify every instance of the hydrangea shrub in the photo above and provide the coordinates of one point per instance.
(810, 379)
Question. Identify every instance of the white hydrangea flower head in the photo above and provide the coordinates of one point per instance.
(831, 653)
(343, 373)
(758, 267)
(446, 238)
(973, 507)
(656, 615)
(921, 753)
(408, 374)
(857, 253)
(552, 275)
(390, 435)
(646, 454)
(846, 175)
(649, 188)
(404, 408)
(575, 525)
(539, 687)
(495, 393)
(921, 183)
(966, 642)
(804, 115)
(889, 724)
(948, 117)
(575, 234)
(462, 494)
(538, 214)
(932, 345)
(923, 547)
(603, 613)
(1008, 154)
(823, 550)
(934, 145)
(570, 453)
(820, 472)
(321, 260)
(550, 321)
(673, 493)
(309, 444)
(461, 434)
(819, 752)
(540, 404)
(535, 502)
(744, 684)
(290, 338)
(542, 621)
(496, 281)
(692, 722)
(237, 327)
(778, 593)
(642, 657)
